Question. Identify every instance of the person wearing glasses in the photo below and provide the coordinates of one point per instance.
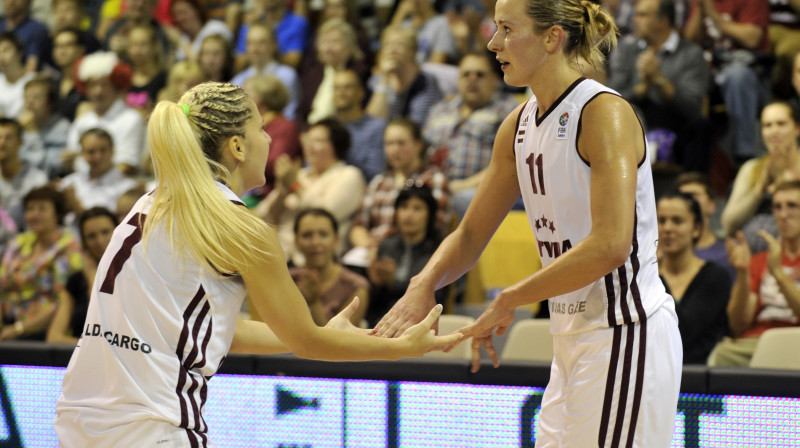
(460, 131)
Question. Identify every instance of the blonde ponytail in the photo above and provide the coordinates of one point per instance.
(599, 34)
(185, 152)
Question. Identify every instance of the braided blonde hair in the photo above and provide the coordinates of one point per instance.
(186, 152)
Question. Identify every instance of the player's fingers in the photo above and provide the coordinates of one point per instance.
(488, 344)
(501, 330)
(447, 342)
(476, 355)
(433, 314)
(350, 308)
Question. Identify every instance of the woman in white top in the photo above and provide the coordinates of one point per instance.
(164, 308)
(576, 153)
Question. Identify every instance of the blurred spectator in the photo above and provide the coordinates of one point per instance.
(95, 226)
(138, 13)
(326, 182)
(336, 50)
(435, 41)
(795, 100)
(326, 285)
(104, 79)
(734, 34)
(182, 76)
(399, 87)
(766, 293)
(261, 54)
(271, 97)
(290, 30)
(8, 228)
(366, 131)
(127, 200)
(405, 155)
(45, 129)
(749, 206)
(708, 247)
(17, 177)
(12, 76)
(216, 58)
(784, 39)
(666, 77)
(36, 266)
(33, 34)
(101, 185)
(701, 289)
(69, 46)
(403, 254)
(461, 130)
(192, 25)
(149, 75)
(71, 14)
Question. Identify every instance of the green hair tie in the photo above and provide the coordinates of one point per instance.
(185, 108)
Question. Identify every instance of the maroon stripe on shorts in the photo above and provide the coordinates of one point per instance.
(611, 296)
(609, 395)
(624, 385)
(637, 392)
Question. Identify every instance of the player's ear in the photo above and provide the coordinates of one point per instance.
(234, 146)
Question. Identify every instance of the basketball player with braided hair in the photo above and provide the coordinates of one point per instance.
(576, 153)
(164, 308)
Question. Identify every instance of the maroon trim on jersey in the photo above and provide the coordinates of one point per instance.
(187, 363)
(623, 294)
(580, 124)
(612, 299)
(517, 131)
(605, 416)
(558, 101)
(635, 293)
(123, 253)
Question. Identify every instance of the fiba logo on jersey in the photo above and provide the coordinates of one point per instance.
(561, 131)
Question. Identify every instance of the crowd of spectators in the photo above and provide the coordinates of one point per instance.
(382, 116)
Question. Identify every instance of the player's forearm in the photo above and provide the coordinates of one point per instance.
(329, 344)
(587, 262)
(252, 337)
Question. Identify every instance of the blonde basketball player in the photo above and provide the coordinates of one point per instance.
(575, 151)
(165, 303)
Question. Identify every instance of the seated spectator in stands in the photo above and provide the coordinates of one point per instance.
(8, 228)
(336, 50)
(71, 14)
(149, 74)
(749, 206)
(216, 58)
(784, 39)
(105, 79)
(399, 87)
(45, 129)
(326, 285)
(405, 149)
(12, 76)
(735, 33)
(96, 226)
(182, 76)
(354, 15)
(795, 100)
(666, 77)
(101, 185)
(461, 130)
(192, 25)
(127, 200)
(33, 34)
(403, 254)
(326, 182)
(261, 55)
(708, 247)
(766, 293)
(69, 46)
(290, 30)
(35, 267)
(17, 177)
(271, 97)
(435, 41)
(701, 289)
(366, 131)
(137, 13)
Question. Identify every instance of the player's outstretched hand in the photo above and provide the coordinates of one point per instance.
(342, 320)
(422, 338)
(494, 320)
(409, 310)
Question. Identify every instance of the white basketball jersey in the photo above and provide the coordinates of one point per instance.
(555, 182)
(157, 328)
